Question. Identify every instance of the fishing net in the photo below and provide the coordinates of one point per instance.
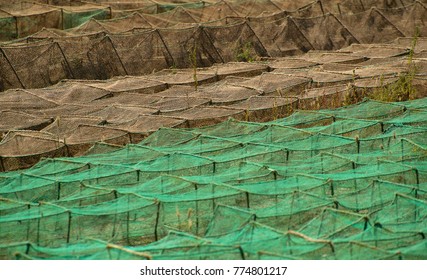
(346, 183)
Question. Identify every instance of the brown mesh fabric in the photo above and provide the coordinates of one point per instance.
(240, 69)
(141, 126)
(38, 65)
(313, 9)
(12, 120)
(202, 116)
(408, 18)
(189, 46)
(17, 149)
(255, 7)
(105, 60)
(36, 19)
(70, 92)
(183, 77)
(8, 77)
(224, 93)
(325, 32)
(120, 113)
(290, 40)
(268, 30)
(126, 98)
(323, 97)
(21, 100)
(117, 25)
(65, 124)
(179, 103)
(265, 108)
(291, 5)
(130, 84)
(84, 136)
(171, 18)
(233, 40)
(215, 11)
(275, 83)
(371, 26)
(75, 50)
(142, 52)
(153, 9)
(91, 26)
(290, 63)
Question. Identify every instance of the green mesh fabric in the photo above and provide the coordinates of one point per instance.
(349, 183)
(73, 18)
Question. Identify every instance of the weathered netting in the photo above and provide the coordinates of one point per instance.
(21, 19)
(35, 65)
(346, 183)
(83, 41)
(79, 113)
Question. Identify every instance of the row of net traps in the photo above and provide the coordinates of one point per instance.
(295, 188)
(52, 56)
(69, 118)
(25, 18)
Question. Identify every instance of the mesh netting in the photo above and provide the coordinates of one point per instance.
(92, 45)
(347, 183)
(46, 66)
(126, 109)
(110, 149)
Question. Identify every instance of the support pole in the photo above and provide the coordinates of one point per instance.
(156, 234)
